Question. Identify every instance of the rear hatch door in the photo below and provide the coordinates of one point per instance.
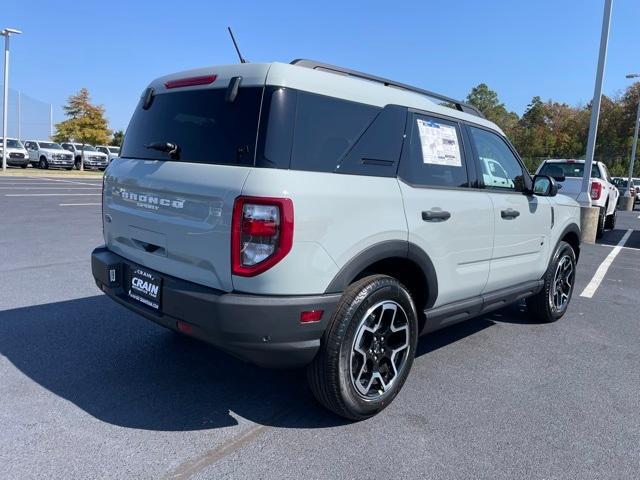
(171, 211)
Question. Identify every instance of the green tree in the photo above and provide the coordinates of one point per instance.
(116, 140)
(85, 123)
(487, 101)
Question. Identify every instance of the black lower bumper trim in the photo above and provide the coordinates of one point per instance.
(264, 330)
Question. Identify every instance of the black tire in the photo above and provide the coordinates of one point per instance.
(43, 163)
(602, 217)
(76, 164)
(611, 220)
(542, 306)
(330, 374)
(24, 166)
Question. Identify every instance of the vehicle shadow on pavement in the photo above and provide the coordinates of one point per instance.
(127, 371)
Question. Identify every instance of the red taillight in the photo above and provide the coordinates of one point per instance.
(311, 316)
(596, 191)
(261, 234)
(191, 81)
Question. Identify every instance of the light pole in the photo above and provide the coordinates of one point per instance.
(589, 214)
(632, 160)
(6, 33)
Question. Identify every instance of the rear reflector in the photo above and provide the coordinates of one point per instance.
(184, 327)
(191, 81)
(311, 316)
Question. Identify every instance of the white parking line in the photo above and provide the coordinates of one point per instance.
(47, 194)
(75, 183)
(595, 282)
(77, 204)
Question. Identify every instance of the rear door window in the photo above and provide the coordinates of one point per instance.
(205, 127)
(435, 156)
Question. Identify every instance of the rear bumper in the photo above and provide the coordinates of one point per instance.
(264, 330)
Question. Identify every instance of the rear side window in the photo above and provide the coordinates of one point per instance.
(325, 130)
(205, 127)
(435, 156)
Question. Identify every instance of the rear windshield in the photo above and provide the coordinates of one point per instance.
(568, 169)
(205, 127)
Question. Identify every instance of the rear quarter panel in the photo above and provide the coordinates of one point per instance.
(336, 217)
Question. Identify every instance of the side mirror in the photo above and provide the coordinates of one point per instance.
(544, 186)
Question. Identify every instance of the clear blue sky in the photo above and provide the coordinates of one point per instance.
(520, 48)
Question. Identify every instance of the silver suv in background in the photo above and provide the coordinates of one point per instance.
(92, 158)
(45, 154)
(109, 150)
(307, 214)
(17, 155)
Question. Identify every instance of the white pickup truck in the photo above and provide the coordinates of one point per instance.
(604, 194)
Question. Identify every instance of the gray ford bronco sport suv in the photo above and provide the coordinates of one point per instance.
(306, 214)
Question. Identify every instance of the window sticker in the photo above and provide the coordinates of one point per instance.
(439, 143)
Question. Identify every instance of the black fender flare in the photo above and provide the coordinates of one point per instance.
(382, 251)
(571, 228)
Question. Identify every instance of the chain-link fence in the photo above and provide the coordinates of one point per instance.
(28, 118)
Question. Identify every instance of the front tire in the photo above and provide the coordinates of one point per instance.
(551, 303)
(43, 163)
(367, 350)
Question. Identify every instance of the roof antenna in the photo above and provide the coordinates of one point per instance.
(233, 39)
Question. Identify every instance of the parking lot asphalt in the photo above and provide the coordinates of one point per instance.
(90, 390)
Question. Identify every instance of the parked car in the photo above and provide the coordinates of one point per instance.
(604, 194)
(17, 155)
(636, 182)
(92, 157)
(109, 150)
(306, 214)
(622, 184)
(45, 154)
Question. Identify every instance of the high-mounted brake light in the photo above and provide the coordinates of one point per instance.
(596, 191)
(191, 81)
(261, 234)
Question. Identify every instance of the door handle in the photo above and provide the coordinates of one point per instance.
(509, 213)
(435, 215)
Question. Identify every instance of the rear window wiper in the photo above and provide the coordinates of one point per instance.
(173, 149)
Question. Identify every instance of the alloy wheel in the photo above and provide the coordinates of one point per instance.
(562, 284)
(380, 349)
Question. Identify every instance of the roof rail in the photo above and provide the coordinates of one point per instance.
(458, 105)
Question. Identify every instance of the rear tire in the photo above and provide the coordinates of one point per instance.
(367, 350)
(601, 222)
(611, 220)
(551, 303)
